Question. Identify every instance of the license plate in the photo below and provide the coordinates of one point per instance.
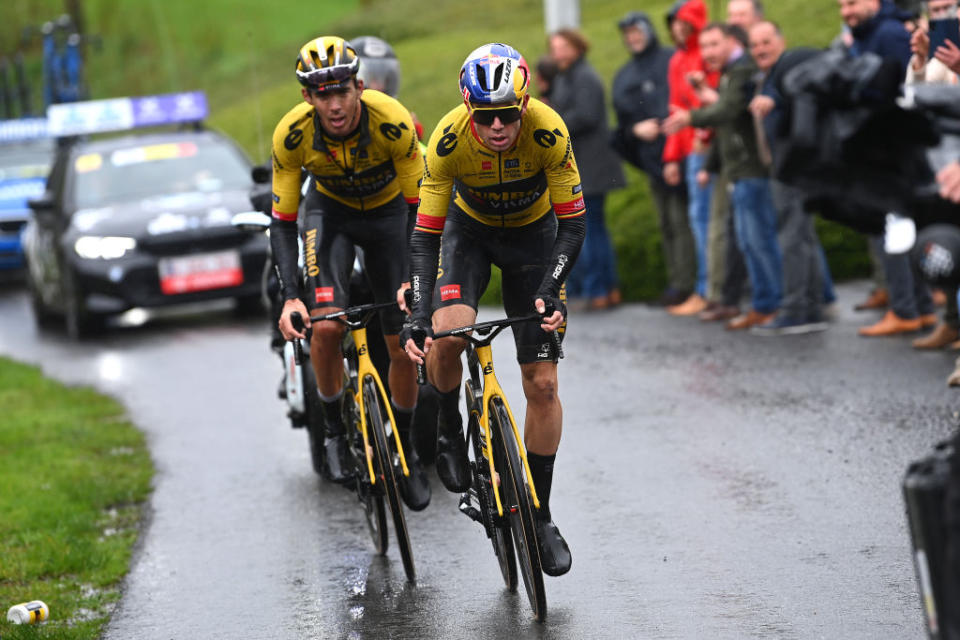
(200, 272)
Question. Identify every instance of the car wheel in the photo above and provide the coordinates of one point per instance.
(42, 314)
(79, 322)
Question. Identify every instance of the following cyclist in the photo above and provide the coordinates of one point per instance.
(508, 162)
(361, 149)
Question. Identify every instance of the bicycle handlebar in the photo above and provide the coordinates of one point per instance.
(350, 316)
(492, 328)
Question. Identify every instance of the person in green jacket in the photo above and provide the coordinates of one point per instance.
(755, 219)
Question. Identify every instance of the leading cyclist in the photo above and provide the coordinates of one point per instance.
(517, 203)
(361, 148)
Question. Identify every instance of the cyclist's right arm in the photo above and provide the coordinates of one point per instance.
(287, 165)
(435, 194)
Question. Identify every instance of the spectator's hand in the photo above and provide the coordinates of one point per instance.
(696, 79)
(678, 120)
(920, 46)
(949, 180)
(761, 106)
(671, 173)
(703, 177)
(647, 130)
(707, 95)
(949, 54)
(286, 326)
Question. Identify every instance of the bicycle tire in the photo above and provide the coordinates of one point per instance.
(370, 497)
(384, 465)
(316, 429)
(517, 503)
(501, 538)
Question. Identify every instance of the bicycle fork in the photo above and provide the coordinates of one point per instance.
(491, 389)
(365, 368)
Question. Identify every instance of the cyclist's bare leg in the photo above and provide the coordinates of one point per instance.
(544, 420)
(326, 355)
(444, 368)
(542, 436)
(403, 374)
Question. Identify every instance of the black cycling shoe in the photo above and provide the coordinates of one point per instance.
(452, 464)
(415, 488)
(338, 468)
(554, 553)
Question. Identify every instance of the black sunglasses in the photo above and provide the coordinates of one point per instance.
(485, 116)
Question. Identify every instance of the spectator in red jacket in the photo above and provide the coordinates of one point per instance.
(685, 150)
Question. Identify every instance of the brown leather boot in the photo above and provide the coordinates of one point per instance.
(719, 312)
(942, 336)
(929, 320)
(878, 299)
(749, 319)
(890, 325)
(690, 307)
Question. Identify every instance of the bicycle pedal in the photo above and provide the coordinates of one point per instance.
(468, 509)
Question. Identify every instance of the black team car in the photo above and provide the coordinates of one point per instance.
(141, 221)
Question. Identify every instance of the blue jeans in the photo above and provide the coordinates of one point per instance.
(595, 274)
(829, 295)
(699, 216)
(755, 221)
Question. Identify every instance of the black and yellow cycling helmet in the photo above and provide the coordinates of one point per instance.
(327, 62)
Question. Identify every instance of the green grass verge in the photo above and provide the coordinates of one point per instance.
(75, 474)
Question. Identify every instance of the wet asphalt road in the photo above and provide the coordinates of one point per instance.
(709, 484)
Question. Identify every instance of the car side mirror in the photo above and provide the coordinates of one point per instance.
(261, 174)
(44, 209)
(43, 203)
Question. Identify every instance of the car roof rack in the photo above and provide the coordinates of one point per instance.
(73, 119)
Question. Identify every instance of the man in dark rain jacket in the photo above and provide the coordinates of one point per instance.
(641, 100)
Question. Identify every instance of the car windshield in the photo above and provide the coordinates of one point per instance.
(25, 161)
(138, 172)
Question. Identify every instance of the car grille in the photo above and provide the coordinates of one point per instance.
(187, 242)
(11, 226)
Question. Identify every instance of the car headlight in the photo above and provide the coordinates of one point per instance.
(103, 247)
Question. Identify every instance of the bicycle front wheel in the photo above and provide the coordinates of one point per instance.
(370, 497)
(497, 527)
(384, 469)
(518, 506)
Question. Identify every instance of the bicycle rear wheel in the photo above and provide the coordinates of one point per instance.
(370, 497)
(518, 507)
(498, 528)
(384, 467)
(316, 429)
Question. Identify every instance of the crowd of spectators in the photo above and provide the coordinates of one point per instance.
(706, 120)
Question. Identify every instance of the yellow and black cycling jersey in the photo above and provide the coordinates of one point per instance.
(364, 171)
(500, 188)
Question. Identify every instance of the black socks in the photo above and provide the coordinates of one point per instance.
(541, 468)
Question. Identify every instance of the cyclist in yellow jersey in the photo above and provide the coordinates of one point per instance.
(507, 161)
(362, 151)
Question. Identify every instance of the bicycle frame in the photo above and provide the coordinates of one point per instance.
(492, 389)
(356, 319)
(482, 351)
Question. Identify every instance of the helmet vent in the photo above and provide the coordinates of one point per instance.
(497, 77)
